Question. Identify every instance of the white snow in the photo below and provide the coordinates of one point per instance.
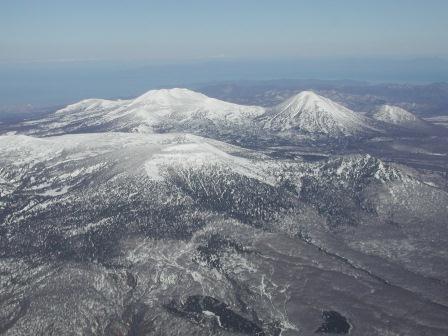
(211, 314)
(312, 113)
(156, 108)
(55, 192)
(199, 153)
(398, 116)
(150, 154)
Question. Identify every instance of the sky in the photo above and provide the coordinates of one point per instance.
(184, 30)
(60, 51)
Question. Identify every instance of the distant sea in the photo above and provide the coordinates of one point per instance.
(58, 83)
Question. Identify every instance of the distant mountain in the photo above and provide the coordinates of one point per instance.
(422, 99)
(155, 111)
(305, 115)
(400, 117)
(309, 113)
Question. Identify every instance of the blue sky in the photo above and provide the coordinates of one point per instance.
(60, 51)
(174, 31)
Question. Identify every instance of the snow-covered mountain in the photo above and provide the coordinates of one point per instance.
(309, 113)
(399, 117)
(155, 111)
(118, 233)
(115, 220)
(306, 114)
(148, 153)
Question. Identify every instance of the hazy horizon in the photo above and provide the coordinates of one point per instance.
(55, 52)
(50, 84)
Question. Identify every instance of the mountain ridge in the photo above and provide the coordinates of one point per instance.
(150, 112)
(305, 115)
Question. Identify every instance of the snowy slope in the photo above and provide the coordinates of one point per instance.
(399, 117)
(156, 110)
(171, 148)
(102, 230)
(55, 165)
(310, 113)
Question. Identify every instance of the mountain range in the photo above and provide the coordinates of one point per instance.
(158, 216)
(180, 110)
